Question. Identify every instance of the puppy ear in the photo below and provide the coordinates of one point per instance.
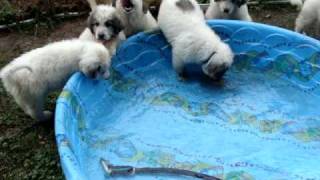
(145, 7)
(239, 3)
(93, 4)
(117, 25)
(114, 3)
(90, 22)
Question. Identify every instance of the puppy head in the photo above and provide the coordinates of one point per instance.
(104, 23)
(216, 66)
(228, 6)
(130, 6)
(95, 61)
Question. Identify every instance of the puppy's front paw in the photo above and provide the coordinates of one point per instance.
(47, 116)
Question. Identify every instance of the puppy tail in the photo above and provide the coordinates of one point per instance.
(93, 4)
(297, 3)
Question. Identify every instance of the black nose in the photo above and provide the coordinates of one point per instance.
(226, 10)
(101, 36)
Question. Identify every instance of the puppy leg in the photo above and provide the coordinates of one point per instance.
(33, 105)
(177, 62)
(37, 109)
(303, 22)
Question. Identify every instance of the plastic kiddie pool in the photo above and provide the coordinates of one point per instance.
(261, 122)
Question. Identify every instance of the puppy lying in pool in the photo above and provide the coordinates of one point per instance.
(192, 40)
(30, 77)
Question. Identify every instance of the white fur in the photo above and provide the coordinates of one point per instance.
(309, 16)
(135, 20)
(216, 11)
(192, 40)
(30, 77)
(103, 13)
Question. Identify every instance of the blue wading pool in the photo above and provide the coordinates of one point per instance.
(262, 122)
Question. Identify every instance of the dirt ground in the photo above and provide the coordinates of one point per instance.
(28, 151)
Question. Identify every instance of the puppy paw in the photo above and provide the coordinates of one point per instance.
(182, 78)
(47, 116)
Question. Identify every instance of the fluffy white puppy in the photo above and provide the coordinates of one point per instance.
(104, 26)
(192, 40)
(30, 77)
(308, 16)
(228, 9)
(135, 16)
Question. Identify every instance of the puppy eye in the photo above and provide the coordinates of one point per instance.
(108, 24)
(96, 24)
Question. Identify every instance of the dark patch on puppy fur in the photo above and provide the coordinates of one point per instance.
(239, 3)
(91, 22)
(116, 25)
(114, 3)
(145, 7)
(185, 5)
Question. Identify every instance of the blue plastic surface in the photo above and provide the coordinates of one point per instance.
(262, 122)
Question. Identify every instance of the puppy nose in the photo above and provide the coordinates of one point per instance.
(101, 36)
(226, 10)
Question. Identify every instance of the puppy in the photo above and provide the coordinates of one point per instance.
(104, 26)
(30, 77)
(192, 40)
(308, 16)
(228, 9)
(135, 16)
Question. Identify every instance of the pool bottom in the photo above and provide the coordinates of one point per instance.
(252, 125)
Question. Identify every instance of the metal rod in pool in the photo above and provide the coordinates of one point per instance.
(113, 170)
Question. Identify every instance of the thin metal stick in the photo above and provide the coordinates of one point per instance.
(113, 170)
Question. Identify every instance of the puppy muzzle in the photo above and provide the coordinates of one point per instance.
(127, 5)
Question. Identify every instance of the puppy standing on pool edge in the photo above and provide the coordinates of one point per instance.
(30, 77)
(192, 40)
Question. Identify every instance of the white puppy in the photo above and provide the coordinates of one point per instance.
(192, 40)
(30, 77)
(135, 16)
(309, 15)
(105, 26)
(228, 9)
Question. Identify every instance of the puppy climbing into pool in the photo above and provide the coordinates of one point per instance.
(30, 77)
(192, 40)
(228, 9)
